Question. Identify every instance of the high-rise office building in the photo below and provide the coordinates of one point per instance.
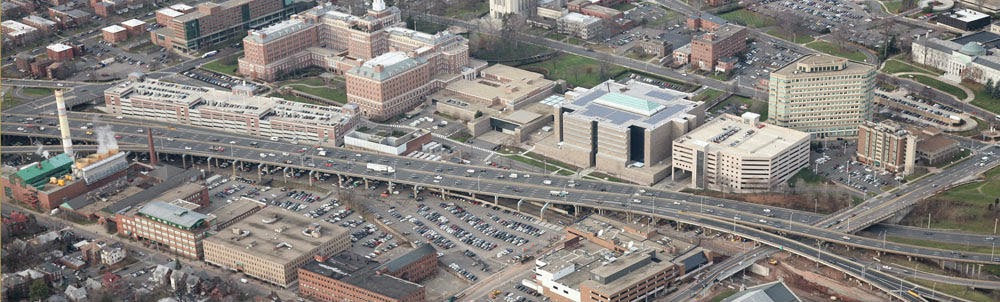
(823, 95)
(886, 146)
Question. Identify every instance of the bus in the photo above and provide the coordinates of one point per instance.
(913, 293)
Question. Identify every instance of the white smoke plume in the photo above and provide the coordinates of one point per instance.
(40, 149)
(105, 139)
(45, 154)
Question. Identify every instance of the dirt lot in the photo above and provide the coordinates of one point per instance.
(822, 199)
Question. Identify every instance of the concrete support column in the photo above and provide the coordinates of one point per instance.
(415, 192)
(519, 201)
(310, 176)
(444, 194)
(209, 161)
(260, 173)
(183, 161)
(496, 200)
(576, 210)
(541, 213)
(366, 183)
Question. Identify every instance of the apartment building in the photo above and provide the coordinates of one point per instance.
(210, 22)
(45, 25)
(725, 41)
(823, 95)
(740, 154)
(389, 85)
(622, 129)
(178, 229)
(273, 244)
(238, 111)
(19, 33)
(351, 277)
(886, 146)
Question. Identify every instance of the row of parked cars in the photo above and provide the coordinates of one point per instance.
(481, 225)
(463, 272)
(460, 233)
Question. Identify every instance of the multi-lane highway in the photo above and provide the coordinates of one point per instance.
(494, 182)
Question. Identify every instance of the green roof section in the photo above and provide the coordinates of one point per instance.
(173, 215)
(38, 174)
(630, 104)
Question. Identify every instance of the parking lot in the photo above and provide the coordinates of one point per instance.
(833, 161)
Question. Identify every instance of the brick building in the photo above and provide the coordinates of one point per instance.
(42, 24)
(59, 52)
(705, 22)
(178, 229)
(886, 146)
(273, 244)
(114, 34)
(134, 27)
(388, 68)
(350, 277)
(19, 33)
(726, 41)
(47, 184)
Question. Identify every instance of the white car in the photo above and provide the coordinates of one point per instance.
(187, 147)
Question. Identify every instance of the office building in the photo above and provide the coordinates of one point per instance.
(210, 22)
(704, 21)
(239, 111)
(886, 146)
(725, 41)
(176, 227)
(389, 69)
(622, 129)
(823, 95)
(502, 8)
(351, 277)
(740, 154)
(964, 19)
(273, 244)
(579, 25)
(972, 57)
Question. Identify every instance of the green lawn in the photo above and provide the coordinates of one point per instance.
(220, 67)
(336, 95)
(759, 107)
(624, 6)
(293, 98)
(964, 207)
(939, 245)
(807, 175)
(578, 71)
(748, 18)
(893, 6)
(958, 290)
(983, 100)
(708, 95)
(550, 162)
(896, 66)
(832, 49)
(945, 87)
(36, 91)
(555, 36)
(467, 10)
(799, 39)
(311, 81)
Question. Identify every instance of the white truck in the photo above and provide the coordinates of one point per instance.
(558, 193)
(321, 153)
(381, 168)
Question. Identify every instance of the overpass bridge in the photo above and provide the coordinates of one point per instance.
(724, 215)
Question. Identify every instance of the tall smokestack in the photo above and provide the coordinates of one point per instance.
(152, 150)
(67, 140)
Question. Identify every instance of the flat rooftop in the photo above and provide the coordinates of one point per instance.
(235, 209)
(276, 235)
(743, 135)
(169, 12)
(592, 263)
(174, 215)
(632, 103)
(278, 30)
(58, 47)
(501, 83)
(113, 29)
(967, 15)
(848, 67)
(181, 191)
(133, 23)
(355, 270)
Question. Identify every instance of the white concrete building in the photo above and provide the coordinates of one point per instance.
(972, 57)
(580, 25)
(741, 154)
(501, 8)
